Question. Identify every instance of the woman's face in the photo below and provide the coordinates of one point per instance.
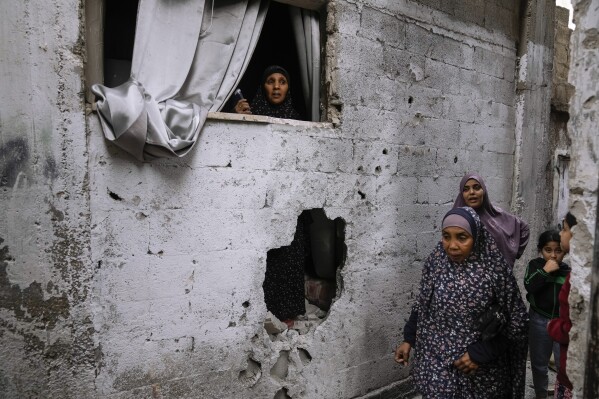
(276, 88)
(565, 236)
(457, 243)
(553, 251)
(473, 193)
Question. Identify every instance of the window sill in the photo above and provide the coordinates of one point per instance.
(225, 116)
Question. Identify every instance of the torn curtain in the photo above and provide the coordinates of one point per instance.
(188, 57)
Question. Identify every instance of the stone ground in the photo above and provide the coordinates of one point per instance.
(530, 392)
(400, 391)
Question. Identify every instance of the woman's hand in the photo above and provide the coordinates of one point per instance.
(402, 353)
(465, 364)
(243, 107)
(551, 266)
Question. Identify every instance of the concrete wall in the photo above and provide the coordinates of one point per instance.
(46, 330)
(151, 274)
(584, 178)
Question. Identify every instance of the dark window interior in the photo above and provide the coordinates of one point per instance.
(119, 36)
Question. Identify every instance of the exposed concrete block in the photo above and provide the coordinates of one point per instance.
(231, 146)
(417, 161)
(326, 155)
(381, 123)
(378, 26)
(403, 65)
(343, 17)
(375, 158)
(437, 47)
(500, 19)
(358, 54)
(396, 192)
(486, 61)
(471, 11)
(441, 76)
(376, 91)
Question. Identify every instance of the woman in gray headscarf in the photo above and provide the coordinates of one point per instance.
(510, 232)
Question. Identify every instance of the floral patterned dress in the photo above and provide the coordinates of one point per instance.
(452, 295)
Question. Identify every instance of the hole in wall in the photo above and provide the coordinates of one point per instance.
(304, 356)
(114, 196)
(281, 367)
(301, 278)
(385, 152)
(246, 304)
(362, 195)
(282, 394)
(252, 373)
(410, 100)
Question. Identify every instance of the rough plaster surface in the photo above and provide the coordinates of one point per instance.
(47, 347)
(583, 127)
(533, 174)
(155, 270)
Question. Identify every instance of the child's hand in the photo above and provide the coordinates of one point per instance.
(551, 266)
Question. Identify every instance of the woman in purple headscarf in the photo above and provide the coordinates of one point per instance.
(510, 232)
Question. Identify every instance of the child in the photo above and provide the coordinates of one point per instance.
(543, 280)
(559, 328)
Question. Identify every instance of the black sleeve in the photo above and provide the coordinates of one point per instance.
(409, 330)
(482, 352)
(535, 277)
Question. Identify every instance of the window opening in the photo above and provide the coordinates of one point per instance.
(119, 36)
(276, 46)
(301, 279)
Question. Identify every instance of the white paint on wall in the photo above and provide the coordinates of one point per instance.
(567, 4)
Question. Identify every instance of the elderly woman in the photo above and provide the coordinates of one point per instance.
(273, 97)
(510, 232)
(464, 284)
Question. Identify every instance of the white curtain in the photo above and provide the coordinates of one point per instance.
(306, 29)
(188, 57)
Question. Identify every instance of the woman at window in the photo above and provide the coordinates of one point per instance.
(273, 97)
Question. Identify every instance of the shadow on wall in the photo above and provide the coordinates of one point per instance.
(302, 278)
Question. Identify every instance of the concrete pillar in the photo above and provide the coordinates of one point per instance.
(583, 128)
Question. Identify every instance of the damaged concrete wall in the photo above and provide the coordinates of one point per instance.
(562, 90)
(583, 128)
(419, 93)
(46, 334)
(533, 170)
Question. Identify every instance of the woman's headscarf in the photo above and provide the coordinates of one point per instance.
(510, 232)
(261, 105)
(482, 277)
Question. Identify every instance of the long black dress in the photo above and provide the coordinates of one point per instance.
(284, 279)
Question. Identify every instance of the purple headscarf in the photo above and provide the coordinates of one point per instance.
(510, 232)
